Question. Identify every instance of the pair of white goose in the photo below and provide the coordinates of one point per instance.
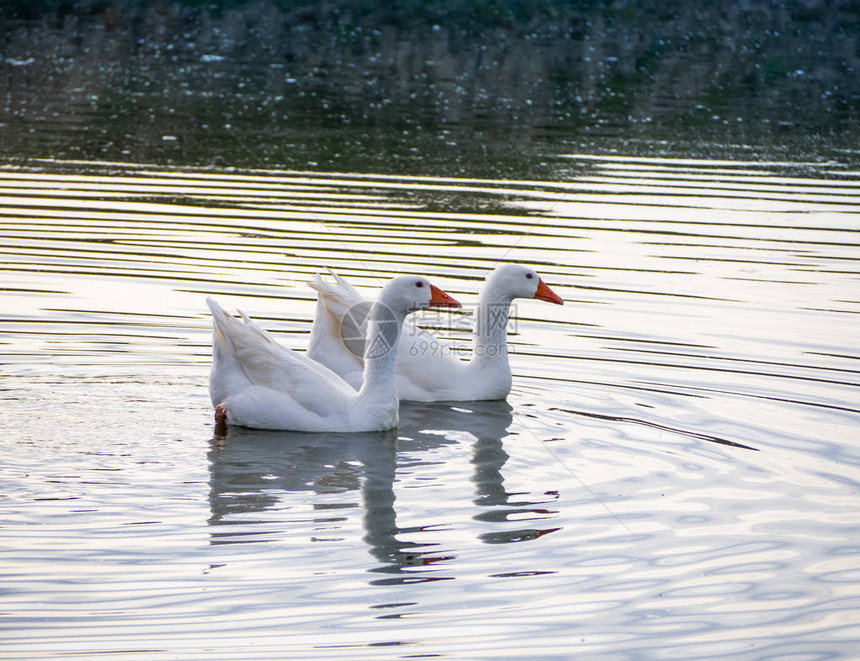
(257, 382)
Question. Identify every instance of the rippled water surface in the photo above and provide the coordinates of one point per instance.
(674, 476)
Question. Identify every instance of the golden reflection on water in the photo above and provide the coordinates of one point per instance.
(629, 233)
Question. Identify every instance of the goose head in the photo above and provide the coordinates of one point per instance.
(409, 293)
(516, 281)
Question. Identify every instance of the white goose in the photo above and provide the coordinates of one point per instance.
(257, 382)
(428, 370)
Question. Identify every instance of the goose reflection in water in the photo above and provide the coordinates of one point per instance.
(256, 471)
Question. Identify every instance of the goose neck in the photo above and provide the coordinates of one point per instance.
(491, 325)
(380, 352)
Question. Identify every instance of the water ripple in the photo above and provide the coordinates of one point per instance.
(674, 475)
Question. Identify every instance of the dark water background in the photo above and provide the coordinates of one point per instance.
(454, 88)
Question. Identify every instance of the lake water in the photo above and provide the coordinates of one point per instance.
(675, 474)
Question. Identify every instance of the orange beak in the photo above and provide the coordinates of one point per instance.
(544, 293)
(439, 299)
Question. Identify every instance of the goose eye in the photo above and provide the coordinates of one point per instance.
(529, 276)
(419, 284)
